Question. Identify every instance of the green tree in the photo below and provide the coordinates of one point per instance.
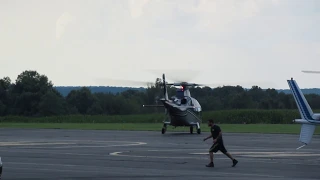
(27, 92)
(52, 104)
(81, 99)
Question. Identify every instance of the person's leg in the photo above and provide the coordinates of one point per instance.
(211, 160)
(214, 148)
(229, 155)
(224, 151)
(211, 157)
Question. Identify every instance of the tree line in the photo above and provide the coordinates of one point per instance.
(33, 94)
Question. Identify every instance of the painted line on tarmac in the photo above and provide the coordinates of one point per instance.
(283, 150)
(119, 145)
(157, 157)
(283, 155)
(100, 146)
(248, 174)
(266, 154)
(269, 161)
(172, 150)
(254, 152)
(71, 145)
(32, 143)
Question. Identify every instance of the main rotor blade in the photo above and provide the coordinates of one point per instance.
(242, 84)
(179, 76)
(118, 82)
(315, 72)
(176, 75)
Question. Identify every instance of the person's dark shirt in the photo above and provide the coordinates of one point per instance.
(215, 130)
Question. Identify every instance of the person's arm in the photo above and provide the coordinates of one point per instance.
(207, 137)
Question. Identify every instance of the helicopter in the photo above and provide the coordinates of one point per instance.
(181, 109)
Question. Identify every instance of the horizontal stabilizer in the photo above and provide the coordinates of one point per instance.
(306, 133)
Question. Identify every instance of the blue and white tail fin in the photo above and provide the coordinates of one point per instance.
(308, 118)
(303, 105)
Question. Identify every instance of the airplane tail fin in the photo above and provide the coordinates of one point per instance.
(306, 133)
(306, 113)
(303, 105)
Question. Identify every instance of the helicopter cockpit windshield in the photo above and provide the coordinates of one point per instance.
(176, 100)
(186, 101)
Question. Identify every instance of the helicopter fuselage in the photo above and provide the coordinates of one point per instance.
(182, 114)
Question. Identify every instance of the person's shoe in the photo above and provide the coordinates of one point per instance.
(210, 165)
(235, 162)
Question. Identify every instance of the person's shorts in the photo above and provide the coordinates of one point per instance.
(218, 146)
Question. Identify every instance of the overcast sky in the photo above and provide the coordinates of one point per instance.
(74, 42)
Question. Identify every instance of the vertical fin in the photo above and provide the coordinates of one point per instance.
(306, 113)
(301, 102)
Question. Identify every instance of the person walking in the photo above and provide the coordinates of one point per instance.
(216, 134)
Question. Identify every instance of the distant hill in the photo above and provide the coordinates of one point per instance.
(305, 91)
(64, 90)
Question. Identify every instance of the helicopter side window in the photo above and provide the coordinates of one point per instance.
(184, 101)
(177, 101)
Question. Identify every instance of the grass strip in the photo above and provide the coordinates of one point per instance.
(229, 128)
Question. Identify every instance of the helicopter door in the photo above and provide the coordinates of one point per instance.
(183, 101)
(186, 101)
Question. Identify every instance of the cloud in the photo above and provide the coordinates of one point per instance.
(105, 37)
(62, 23)
(217, 15)
(136, 7)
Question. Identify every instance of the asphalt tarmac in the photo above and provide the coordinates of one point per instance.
(87, 154)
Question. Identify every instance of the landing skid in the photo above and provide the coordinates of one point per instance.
(198, 129)
(164, 128)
